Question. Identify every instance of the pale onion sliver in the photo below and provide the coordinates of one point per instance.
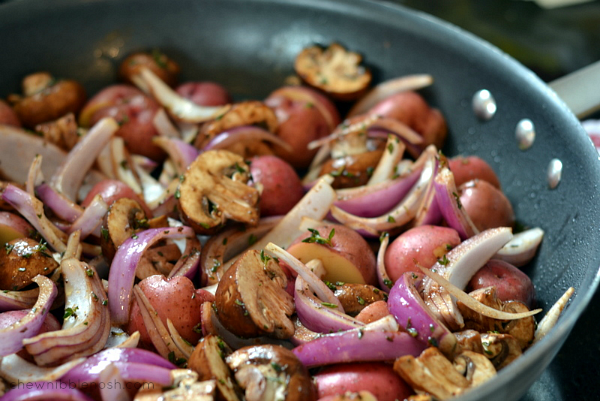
(390, 158)
(549, 320)
(382, 275)
(522, 248)
(15, 369)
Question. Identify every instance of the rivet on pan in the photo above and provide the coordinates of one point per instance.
(484, 104)
(525, 134)
(554, 173)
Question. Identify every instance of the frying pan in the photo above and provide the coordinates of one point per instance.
(250, 45)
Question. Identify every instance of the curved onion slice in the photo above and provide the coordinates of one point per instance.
(164, 126)
(45, 390)
(521, 248)
(87, 323)
(90, 220)
(176, 105)
(70, 174)
(314, 282)
(185, 347)
(115, 387)
(64, 208)
(11, 337)
(472, 303)
(16, 370)
(245, 134)
(404, 211)
(122, 272)
(386, 126)
(35, 176)
(189, 262)
(14, 300)
(348, 127)
(390, 158)
(377, 341)
(551, 317)
(181, 153)
(385, 282)
(388, 88)
(408, 308)
(320, 316)
(448, 200)
(429, 212)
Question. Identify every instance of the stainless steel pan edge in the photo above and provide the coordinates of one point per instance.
(238, 42)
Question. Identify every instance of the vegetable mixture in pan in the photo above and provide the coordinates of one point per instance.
(162, 241)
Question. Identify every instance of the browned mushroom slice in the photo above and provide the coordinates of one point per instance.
(353, 170)
(500, 349)
(356, 297)
(62, 132)
(251, 300)
(523, 330)
(214, 189)
(334, 70)
(469, 340)
(476, 368)
(271, 372)
(251, 112)
(22, 260)
(158, 260)
(124, 218)
(208, 360)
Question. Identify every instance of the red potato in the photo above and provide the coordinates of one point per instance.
(423, 245)
(486, 205)
(375, 377)
(13, 226)
(176, 299)
(411, 109)
(301, 121)
(8, 115)
(133, 110)
(469, 168)
(111, 190)
(510, 282)
(281, 186)
(347, 257)
(204, 93)
(373, 312)
(11, 317)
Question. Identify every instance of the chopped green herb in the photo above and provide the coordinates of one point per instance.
(224, 241)
(361, 333)
(276, 367)
(135, 236)
(432, 341)
(159, 58)
(105, 302)
(104, 233)
(443, 261)
(329, 305)
(370, 170)
(391, 219)
(89, 272)
(339, 283)
(457, 198)
(9, 248)
(390, 147)
(360, 300)
(177, 193)
(70, 312)
(252, 239)
(388, 282)
(198, 328)
(383, 236)
(315, 237)
(330, 285)
(412, 331)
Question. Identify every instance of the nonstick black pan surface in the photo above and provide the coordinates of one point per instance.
(249, 46)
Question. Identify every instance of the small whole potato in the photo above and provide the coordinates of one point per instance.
(157, 62)
(281, 186)
(486, 205)
(376, 377)
(411, 109)
(133, 110)
(173, 298)
(469, 168)
(301, 122)
(375, 311)
(8, 115)
(422, 245)
(204, 93)
(112, 190)
(510, 282)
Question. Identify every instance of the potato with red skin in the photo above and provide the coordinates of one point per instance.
(510, 282)
(8, 115)
(301, 122)
(376, 377)
(411, 109)
(281, 186)
(377, 310)
(133, 110)
(423, 245)
(348, 257)
(204, 93)
(111, 190)
(13, 226)
(9, 318)
(469, 168)
(486, 205)
(173, 298)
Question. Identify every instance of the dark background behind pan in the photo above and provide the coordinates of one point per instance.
(59, 38)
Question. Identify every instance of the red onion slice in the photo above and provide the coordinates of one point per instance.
(122, 272)
(181, 153)
(43, 390)
(409, 137)
(448, 200)
(35, 176)
(377, 341)
(164, 126)
(178, 106)
(90, 220)
(114, 388)
(385, 283)
(188, 264)
(245, 134)
(11, 337)
(17, 370)
(388, 88)
(410, 311)
(15, 300)
(185, 347)
(70, 174)
(521, 248)
(64, 208)
(388, 162)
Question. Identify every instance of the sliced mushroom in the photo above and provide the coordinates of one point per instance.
(476, 368)
(251, 300)
(208, 360)
(356, 297)
(214, 189)
(500, 349)
(353, 170)
(334, 70)
(158, 260)
(523, 330)
(63, 132)
(124, 218)
(161, 65)
(22, 260)
(469, 340)
(250, 112)
(271, 372)
(46, 99)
